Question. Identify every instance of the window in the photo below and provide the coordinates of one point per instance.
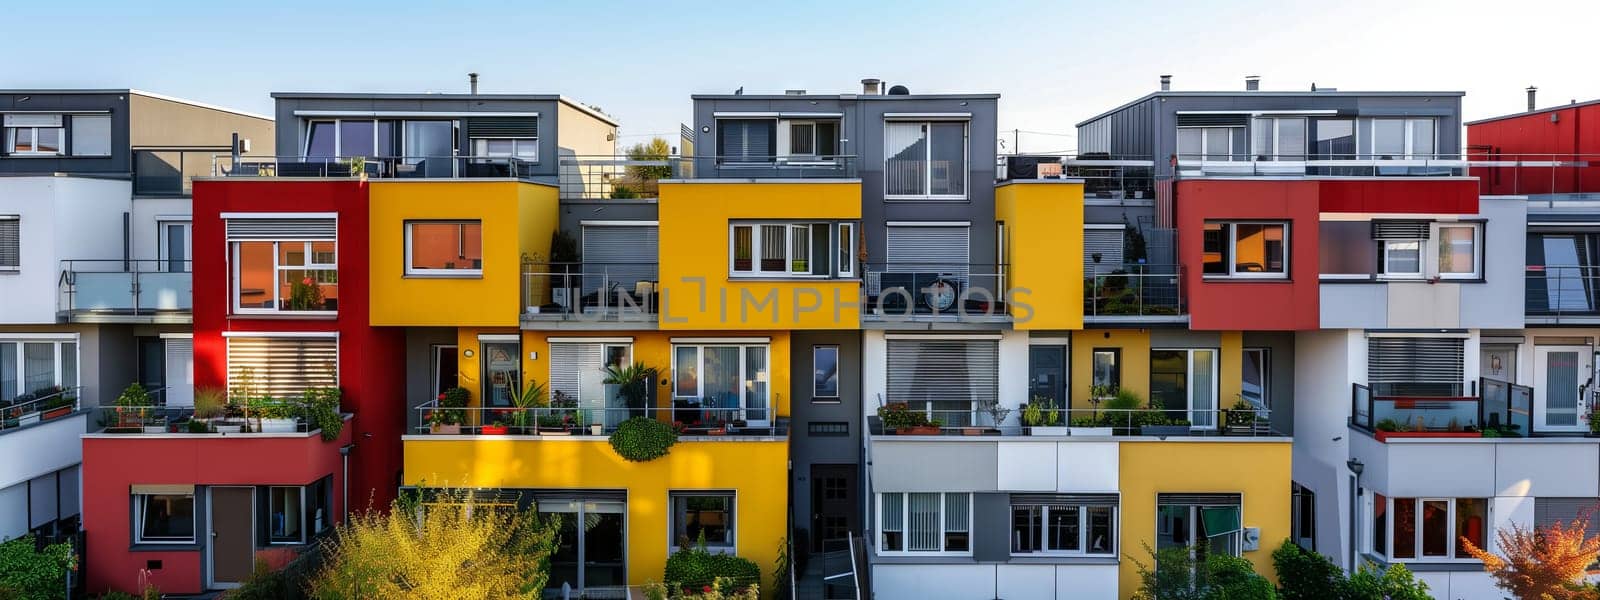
(502, 366)
(1428, 528)
(1282, 138)
(925, 159)
(817, 140)
(163, 518)
(1402, 258)
(1303, 517)
(1246, 250)
(1107, 367)
(444, 248)
(36, 367)
(1190, 520)
(846, 265)
(319, 513)
(746, 140)
(1414, 366)
(282, 367)
(1458, 250)
(286, 515)
(1336, 139)
(1254, 388)
(1064, 525)
(519, 148)
(34, 134)
(91, 135)
(825, 373)
(285, 276)
(350, 137)
(728, 381)
(924, 523)
(783, 249)
(947, 378)
(1185, 381)
(1207, 143)
(578, 371)
(1401, 138)
(709, 514)
(10, 243)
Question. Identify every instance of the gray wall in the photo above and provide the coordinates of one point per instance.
(805, 450)
(419, 367)
(1280, 375)
(120, 161)
(575, 212)
(991, 527)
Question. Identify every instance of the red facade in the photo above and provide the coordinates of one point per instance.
(1254, 304)
(1412, 195)
(371, 377)
(1555, 134)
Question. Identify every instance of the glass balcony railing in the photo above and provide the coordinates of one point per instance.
(1556, 291)
(382, 167)
(1330, 165)
(1133, 290)
(1550, 181)
(580, 420)
(170, 172)
(590, 291)
(751, 166)
(959, 291)
(125, 288)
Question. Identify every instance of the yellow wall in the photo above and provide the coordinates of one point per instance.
(517, 218)
(1259, 471)
(757, 472)
(694, 238)
(1135, 346)
(1044, 230)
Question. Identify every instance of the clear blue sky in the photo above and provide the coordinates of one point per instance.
(1054, 63)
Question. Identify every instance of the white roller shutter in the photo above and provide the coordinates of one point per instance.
(926, 251)
(277, 229)
(1415, 366)
(283, 367)
(620, 254)
(944, 374)
(570, 364)
(180, 371)
(1106, 242)
(10, 243)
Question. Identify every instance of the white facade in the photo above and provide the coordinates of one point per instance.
(988, 581)
(61, 218)
(37, 453)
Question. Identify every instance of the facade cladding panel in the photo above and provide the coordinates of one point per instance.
(1290, 303)
(1452, 196)
(1567, 130)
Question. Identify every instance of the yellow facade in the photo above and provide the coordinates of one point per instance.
(1043, 229)
(518, 220)
(1134, 345)
(697, 290)
(1257, 470)
(755, 469)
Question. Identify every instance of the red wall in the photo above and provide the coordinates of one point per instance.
(1575, 131)
(1454, 196)
(371, 359)
(1250, 305)
(112, 463)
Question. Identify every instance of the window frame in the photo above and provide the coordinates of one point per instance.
(673, 527)
(305, 526)
(1422, 259)
(744, 391)
(412, 271)
(277, 268)
(1436, 229)
(745, 160)
(1205, 153)
(1194, 518)
(517, 143)
(1116, 367)
(1230, 257)
(11, 133)
(1275, 153)
(837, 392)
(58, 366)
(1083, 530)
(835, 243)
(74, 150)
(140, 503)
(905, 524)
(17, 219)
(927, 175)
(1419, 502)
(1409, 139)
(1266, 372)
(846, 250)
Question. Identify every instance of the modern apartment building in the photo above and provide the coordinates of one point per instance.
(95, 273)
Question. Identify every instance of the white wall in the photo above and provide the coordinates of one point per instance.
(989, 581)
(874, 371)
(1326, 364)
(994, 464)
(147, 212)
(62, 218)
(43, 448)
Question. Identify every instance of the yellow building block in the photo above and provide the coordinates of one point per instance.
(1042, 252)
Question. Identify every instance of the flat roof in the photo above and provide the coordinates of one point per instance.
(137, 92)
(1268, 93)
(842, 96)
(579, 106)
(1536, 111)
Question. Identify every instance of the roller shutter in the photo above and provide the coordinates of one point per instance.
(282, 229)
(620, 254)
(282, 367)
(1402, 366)
(1106, 242)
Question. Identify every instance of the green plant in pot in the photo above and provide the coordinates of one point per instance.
(274, 415)
(451, 410)
(633, 384)
(321, 407)
(133, 406)
(526, 399)
(898, 416)
(1241, 414)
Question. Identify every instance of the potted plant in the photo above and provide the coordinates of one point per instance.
(633, 384)
(1242, 417)
(555, 422)
(1153, 421)
(998, 414)
(450, 411)
(526, 399)
(500, 425)
(1041, 418)
(232, 420)
(209, 403)
(274, 415)
(133, 406)
(899, 418)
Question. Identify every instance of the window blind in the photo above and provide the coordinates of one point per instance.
(1200, 499)
(282, 367)
(749, 140)
(10, 243)
(928, 250)
(1065, 499)
(282, 229)
(1399, 230)
(621, 254)
(569, 362)
(1227, 120)
(503, 127)
(1415, 366)
(1108, 244)
(957, 371)
(1562, 511)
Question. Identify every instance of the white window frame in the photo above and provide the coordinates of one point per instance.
(793, 126)
(480, 148)
(411, 271)
(1450, 522)
(1477, 248)
(1410, 144)
(109, 135)
(1164, 527)
(905, 526)
(163, 236)
(1206, 153)
(58, 350)
(1422, 258)
(927, 174)
(277, 268)
(756, 240)
(1083, 531)
(603, 346)
(846, 251)
(731, 547)
(1274, 140)
(139, 501)
(12, 131)
(305, 525)
(17, 267)
(1189, 387)
(744, 391)
(838, 392)
(1231, 227)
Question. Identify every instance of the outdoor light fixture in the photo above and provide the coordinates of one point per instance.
(467, 353)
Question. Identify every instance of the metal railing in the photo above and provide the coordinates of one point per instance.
(1548, 178)
(380, 167)
(125, 287)
(38, 406)
(619, 177)
(594, 420)
(1507, 408)
(1105, 176)
(1133, 290)
(590, 291)
(170, 171)
(1322, 165)
(276, 416)
(829, 166)
(1415, 414)
(1558, 291)
(921, 289)
(1181, 422)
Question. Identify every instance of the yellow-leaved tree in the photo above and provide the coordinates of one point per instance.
(1542, 563)
(444, 547)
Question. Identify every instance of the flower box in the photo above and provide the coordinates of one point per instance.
(59, 411)
(446, 429)
(493, 430)
(28, 419)
(1384, 435)
(1163, 430)
(278, 425)
(1049, 430)
(155, 429)
(918, 430)
(1105, 431)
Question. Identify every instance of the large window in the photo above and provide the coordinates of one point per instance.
(444, 248)
(10, 243)
(1245, 249)
(1212, 521)
(708, 514)
(1415, 366)
(1064, 525)
(36, 367)
(1184, 382)
(283, 264)
(91, 135)
(34, 134)
(784, 250)
(1208, 143)
(282, 367)
(350, 137)
(925, 159)
(729, 381)
(925, 523)
(1401, 138)
(163, 518)
(947, 378)
(1428, 528)
(1280, 138)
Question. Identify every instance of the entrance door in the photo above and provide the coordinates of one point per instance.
(1559, 373)
(1184, 383)
(232, 536)
(833, 504)
(591, 560)
(1047, 373)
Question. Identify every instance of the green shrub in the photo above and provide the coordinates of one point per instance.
(642, 439)
(1393, 583)
(1124, 400)
(27, 574)
(322, 412)
(1182, 573)
(1304, 575)
(694, 567)
(134, 395)
(265, 584)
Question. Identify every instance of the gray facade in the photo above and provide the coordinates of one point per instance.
(112, 103)
(816, 422)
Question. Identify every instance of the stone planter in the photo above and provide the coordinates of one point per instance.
(597, 429)
(278, 425)
(446, 429)
(1049, 430)
(28, 419)
(1106, 431)
(1164, 430)
(918, 430)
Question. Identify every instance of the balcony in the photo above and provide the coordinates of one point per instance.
(170, 172)
(1552, 182)
(125, 291)
(936, 292)
(1090, 422)
(1344, 165)
(1504, 410)
(601, 294)
(37, 407)
(619, 177)
(278, 418)
(839, 166)
(1134, 293)
(578, 420)
(1562, 294)
(385, 167)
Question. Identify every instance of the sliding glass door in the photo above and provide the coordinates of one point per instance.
(1184, 383)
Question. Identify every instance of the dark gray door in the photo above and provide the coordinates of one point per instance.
(232, 536)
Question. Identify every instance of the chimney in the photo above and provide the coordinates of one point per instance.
(871, 86)
(1531, 91)
(1166, 83)
(1252, 83)
(472, 82)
